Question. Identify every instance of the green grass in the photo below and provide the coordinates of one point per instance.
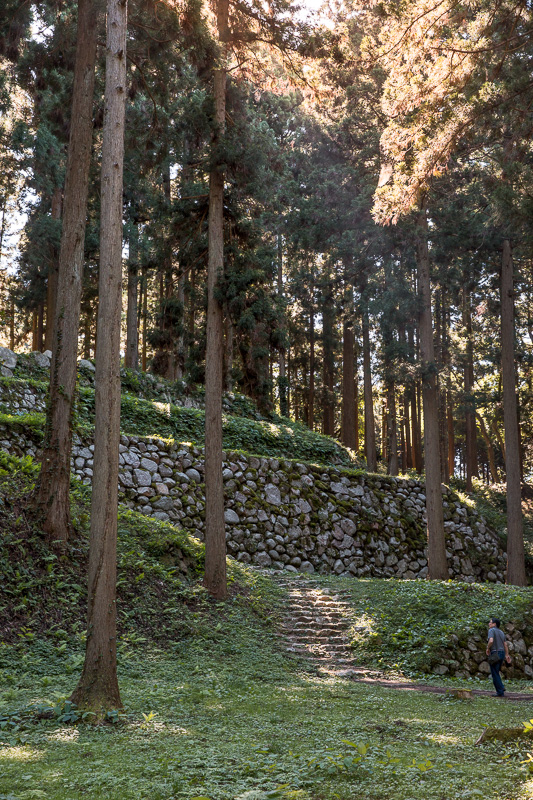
(223, 716)
(213, 707)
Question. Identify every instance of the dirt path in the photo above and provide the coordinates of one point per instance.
(315, 627)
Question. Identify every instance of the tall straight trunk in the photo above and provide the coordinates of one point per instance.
(407, 426)
(370, 428)
(516, 571)
(282, 380)
(180, 349)
(98, 686)
(40, 328)
(392, 433)
(470, 409)
(87, 333)
(131, 355)
(311, 417)
(51, 283)
(416, 427)
(228, 354)
(144, 293)
(437, 566)
(12, 325)
(289, 394)
(53, 484)
(328, 420)
(451, 435)
(490, 448)
(349, 387)
(444, 361)
(215, 535)
(384, 428)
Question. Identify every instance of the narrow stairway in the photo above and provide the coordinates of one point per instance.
(316, 626)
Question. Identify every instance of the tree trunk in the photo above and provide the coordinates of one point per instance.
(437, 566)
(328, 420)
(349, 388)
(416, 432)
(516, 572)
(282, 381)
(311, 416)
(131, 356)
(470, 408)
(51, 284)
(98, 689)
(53, 484)
(370, 426)
(451, 435)
(490, 448)
(392, 435)
(215, 535)
(228, 354)
(180, 350)
(144, 305)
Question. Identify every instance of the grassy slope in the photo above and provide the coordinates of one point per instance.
(213, 707)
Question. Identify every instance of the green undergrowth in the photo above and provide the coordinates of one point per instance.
(229, 718)
(213, 707)
(278, 438)
(43, 591)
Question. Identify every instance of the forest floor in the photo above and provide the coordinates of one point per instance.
(215, 705)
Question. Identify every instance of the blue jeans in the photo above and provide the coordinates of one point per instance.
(495, 672)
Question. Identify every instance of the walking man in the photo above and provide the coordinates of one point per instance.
(498, 652)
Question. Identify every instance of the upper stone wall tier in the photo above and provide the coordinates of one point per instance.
(294, 516)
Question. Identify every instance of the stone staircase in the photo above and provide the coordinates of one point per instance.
(316, 626)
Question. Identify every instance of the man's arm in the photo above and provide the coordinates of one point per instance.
(490, 643)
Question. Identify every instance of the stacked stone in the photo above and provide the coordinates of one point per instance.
(301, 517)
(294, 516)
(468, 658)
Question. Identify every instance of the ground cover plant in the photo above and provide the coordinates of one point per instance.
(213, 706)
(278, 437)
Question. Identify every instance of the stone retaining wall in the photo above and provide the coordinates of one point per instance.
(294, 516)
(467, 658)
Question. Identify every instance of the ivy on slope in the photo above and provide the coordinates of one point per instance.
(281, 439)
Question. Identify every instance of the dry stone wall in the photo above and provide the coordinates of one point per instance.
(466, 658)
(293, 516)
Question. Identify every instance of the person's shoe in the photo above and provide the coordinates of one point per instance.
(495, 694)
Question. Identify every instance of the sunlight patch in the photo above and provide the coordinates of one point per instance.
(20, 754)
(65, 735)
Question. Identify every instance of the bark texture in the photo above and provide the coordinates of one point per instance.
(131, 355)
(370, 430)
(98, 686)
(52, 490)
(215, 535)
(349, 388)
(470, 409)
(516, 572)
(437, 566)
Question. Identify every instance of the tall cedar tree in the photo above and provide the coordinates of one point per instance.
(98, 689)
(53, 485)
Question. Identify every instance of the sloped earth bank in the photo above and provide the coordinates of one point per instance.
(291, 515)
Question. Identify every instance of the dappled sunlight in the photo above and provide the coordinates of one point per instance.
(526, 790)
(22, 754)
(65, 735)
(444, 738)
(163, 407)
